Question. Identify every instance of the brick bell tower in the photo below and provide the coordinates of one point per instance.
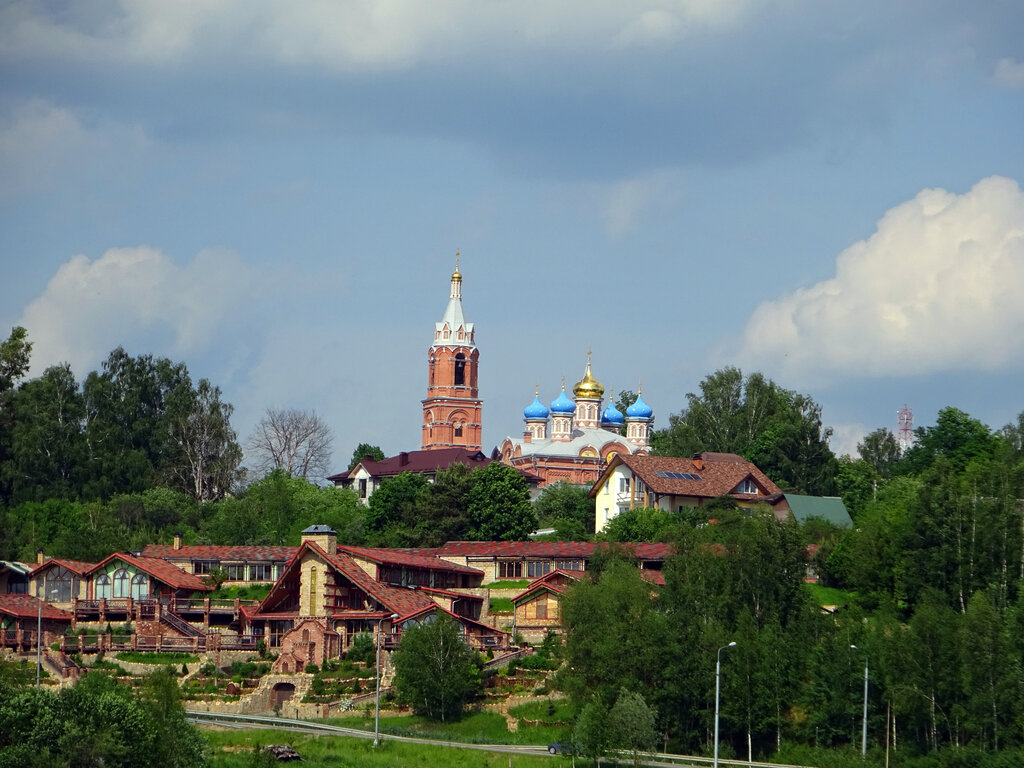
(452, 412)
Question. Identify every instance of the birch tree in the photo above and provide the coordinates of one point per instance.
(298, 442)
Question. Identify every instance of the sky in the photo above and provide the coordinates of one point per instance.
(274, 193)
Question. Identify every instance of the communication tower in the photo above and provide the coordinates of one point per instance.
(904, 427)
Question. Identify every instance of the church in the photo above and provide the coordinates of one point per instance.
(574, 439)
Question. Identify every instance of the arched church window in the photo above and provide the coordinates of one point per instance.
(458, 430)
(460, 369)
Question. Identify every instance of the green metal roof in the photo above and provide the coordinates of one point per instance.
(830, 508)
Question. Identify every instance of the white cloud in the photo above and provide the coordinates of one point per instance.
(845, 438)
(625, 202)
(936, 288)
(358, 35)
(1010, 73)
(128, 294)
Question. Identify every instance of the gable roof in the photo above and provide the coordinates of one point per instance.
(210, 552)
(27, 606)
(546, 582)
(714, 474)
(829, 508)
(160, 570)
(418, 462)
(400, 600)
(76, 566)
(405, 557)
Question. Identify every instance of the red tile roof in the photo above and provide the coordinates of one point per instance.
(211, 552)
(27, 606)
(547, 582)
(77, 566)
(160, 570)
(719, 475)
(551, 549)
(420, 462)
(407, 558)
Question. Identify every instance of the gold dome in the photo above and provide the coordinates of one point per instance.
(588, 386)
(456, 275)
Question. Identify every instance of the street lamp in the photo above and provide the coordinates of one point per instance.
(376, 716)
(718, 677)
(864, 729)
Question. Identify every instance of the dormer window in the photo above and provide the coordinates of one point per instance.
(747, 486)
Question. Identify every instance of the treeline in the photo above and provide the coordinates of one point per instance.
(928, 585)
(136, 424)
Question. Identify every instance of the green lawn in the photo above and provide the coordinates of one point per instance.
(520, 584)
(234, 749)
(500, 604)
(829, 596)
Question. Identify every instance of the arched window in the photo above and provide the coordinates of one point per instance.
(140, 586)
(102, 586)
(121, 583)
(460, 370)
(458, 430)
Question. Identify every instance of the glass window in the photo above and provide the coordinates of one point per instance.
(510, 569)
(102, 586)
(121, 583)
(140, 586)
(537, 568)
(542, 608)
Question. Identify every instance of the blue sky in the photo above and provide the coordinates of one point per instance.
(273, 193)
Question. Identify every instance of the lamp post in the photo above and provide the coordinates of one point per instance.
(864, 727)
(718, 678)
(376, 716)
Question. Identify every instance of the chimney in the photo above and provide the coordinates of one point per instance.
(323, 536)
(177, 541)
(40, 557)
(527, 436)
(403, 459)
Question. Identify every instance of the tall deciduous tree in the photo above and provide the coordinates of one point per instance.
(499, 505)
(779, 430)
(14, 357)
(296, 441)
(208, 456)
(435, 671)
(631, 723)
(565, 501)
(881, 450)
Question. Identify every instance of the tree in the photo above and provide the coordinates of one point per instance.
(14, 357)
(881, 450)
(778, 430)
(128, 440)
(435, 671)
(364, 450)
(565, 501)
(590, 733)
(955, 436)
(640, 524)
(631, 723)
(46, 446)
(208, 454)
(298, 442)
(499, 505)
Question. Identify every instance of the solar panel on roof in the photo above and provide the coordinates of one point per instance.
(677, 475)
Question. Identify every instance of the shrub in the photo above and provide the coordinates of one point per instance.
(312, 669)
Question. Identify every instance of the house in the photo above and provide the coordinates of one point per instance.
(329, 594)
(537, 610)
(22, 615)
(366, 476)
(14, 577)
(241, 564)
(61, 581)
(673, 484)
(504, 560)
